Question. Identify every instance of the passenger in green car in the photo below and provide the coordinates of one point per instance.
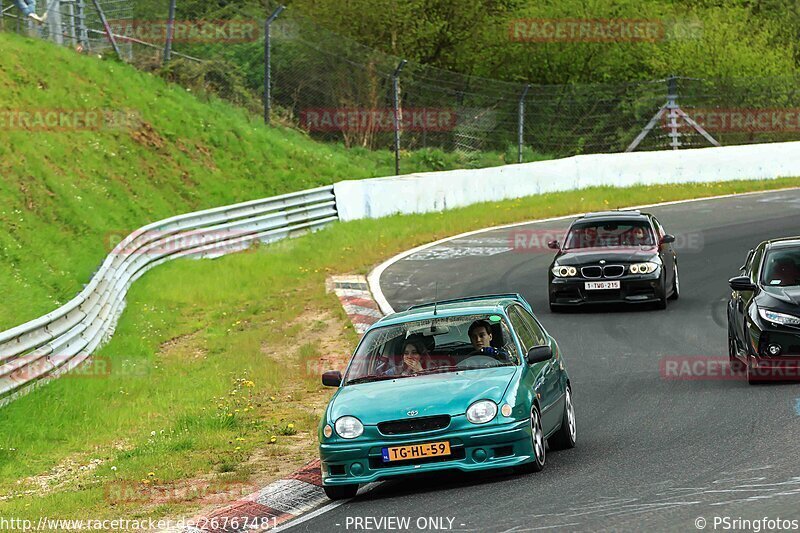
(415, 359)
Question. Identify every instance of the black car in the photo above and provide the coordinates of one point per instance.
(764, 312)
(614, 256)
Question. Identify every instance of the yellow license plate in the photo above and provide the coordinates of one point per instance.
(415, 451)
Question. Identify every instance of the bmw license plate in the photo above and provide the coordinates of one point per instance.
(415, 451)
(601, 285)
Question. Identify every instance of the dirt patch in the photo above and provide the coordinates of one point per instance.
(147, 136)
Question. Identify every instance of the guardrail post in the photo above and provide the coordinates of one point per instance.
(268, 63)
(170, 32)
(397, 117)
(672, 112)
(521, 130)
(107, 29)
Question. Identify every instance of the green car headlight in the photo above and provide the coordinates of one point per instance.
(349, 427)
(482, 411)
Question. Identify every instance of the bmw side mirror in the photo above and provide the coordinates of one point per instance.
(554, 245)
(667, 239)
(332, 378)
(742, 283)
(539, 354)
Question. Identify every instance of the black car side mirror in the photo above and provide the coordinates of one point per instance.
(554, 245)
(667, 239)
(742, 283)
(539, 354)
(332, 378)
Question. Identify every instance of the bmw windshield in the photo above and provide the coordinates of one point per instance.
(609, 233)
(441, 345)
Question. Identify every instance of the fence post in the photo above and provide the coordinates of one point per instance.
(672, 112)
(268, 63)
(2, 17)
(170, 32)
(83, 32)
(397, 117)
(521, 130)
(107, 29)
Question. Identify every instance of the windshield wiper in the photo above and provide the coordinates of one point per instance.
(438, 370)
(367, 379)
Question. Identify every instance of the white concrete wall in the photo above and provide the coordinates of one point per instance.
(437, 191)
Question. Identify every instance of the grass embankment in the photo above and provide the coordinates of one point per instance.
(62, 192)
(214, 368)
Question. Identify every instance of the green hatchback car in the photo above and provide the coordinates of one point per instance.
(469, 384)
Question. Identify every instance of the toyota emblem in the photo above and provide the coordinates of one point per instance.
(412, 413)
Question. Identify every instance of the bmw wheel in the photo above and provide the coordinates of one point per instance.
(676, 285)
(565, 437)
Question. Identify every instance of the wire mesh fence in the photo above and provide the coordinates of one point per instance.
(339, 90)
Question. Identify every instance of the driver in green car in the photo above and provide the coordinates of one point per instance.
(480, 335)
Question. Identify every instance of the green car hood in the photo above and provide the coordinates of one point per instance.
(437, 394)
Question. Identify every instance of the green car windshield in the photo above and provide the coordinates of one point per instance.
(441, 345)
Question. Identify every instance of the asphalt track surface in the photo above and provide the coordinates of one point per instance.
(653, 454)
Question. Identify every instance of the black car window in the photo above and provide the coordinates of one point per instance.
(755, 262)
(781, 268)
(659, 229)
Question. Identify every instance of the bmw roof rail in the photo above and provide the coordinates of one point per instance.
(511, 295)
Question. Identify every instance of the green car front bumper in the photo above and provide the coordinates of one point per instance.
(479, 448)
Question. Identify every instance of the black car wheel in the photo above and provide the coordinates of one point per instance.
(341, 492)
(661, 303)
(736, 365)
(676, 285)
(565, 437)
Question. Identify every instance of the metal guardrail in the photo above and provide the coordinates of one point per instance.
(44, 348)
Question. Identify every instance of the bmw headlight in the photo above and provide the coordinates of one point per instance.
(349, 427)
(482, 411)
(643, 268)
(779, 318)
(564, 271)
